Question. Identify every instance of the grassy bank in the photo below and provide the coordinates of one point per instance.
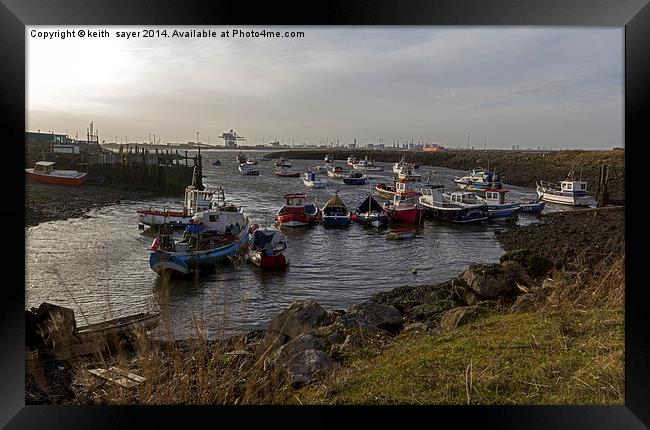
(515, 167)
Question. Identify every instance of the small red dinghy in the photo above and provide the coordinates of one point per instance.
(44, 171)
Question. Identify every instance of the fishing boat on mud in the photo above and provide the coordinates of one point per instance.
(43, 171)
(408, 174)
(266, 247)
(298, 211)
(212, 237)
(282, 162)
(355, 178)
(310, 180)
(405, 207)
(367, 166)
(370, 212)
(248, 171)
(337, 172)
(285, 173)
(400, 233)
(498, 208)
(479, 179)
(459, 207)
(570, 192)
(335, 212)
(532, 207)
(387, 192)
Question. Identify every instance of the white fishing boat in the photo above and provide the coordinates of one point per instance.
(367, 166)
(310, 180)
(570, 192)
(459, 207)
(247, 170)
(408, 174)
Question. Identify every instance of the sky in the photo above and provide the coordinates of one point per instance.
(553, 87)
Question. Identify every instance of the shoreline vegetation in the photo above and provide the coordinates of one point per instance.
(544, 326)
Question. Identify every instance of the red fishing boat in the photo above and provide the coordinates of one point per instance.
(405, 207)
(44, 171)
(297, 211)
(266, 247)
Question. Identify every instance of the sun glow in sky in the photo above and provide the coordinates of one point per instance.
(527, 86)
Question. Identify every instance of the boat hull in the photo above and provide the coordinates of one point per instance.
(354, 181)
(563, 199)
(412, 215)
(532, 208)
(501, 212)
(265, 261)
(457, 215)
(57, 180)
(314, 184)
(373, 219)
(156, 218)
(288, 175)
(295, 219)
(336, 220)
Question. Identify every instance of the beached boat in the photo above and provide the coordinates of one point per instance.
(532, 207)
(195, 201)
(367, 166)
(43, 171)
(282, 162)
(370, 212)
(355, 178)
(400, 233)
(405, 207)
(310, 180)
(298, 211)
(459, 206)
(248, 171)
(387, 192)
(336, 213)
(479, 179)
(498, 208)
(212, 237)
(266, 247)
(337, 172)
(570, 192)
(286, 173)
(408, 174)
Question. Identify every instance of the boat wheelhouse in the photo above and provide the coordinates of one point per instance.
(408, 174)
(310, 180)
(570, 192)
(479, 179)
(405, 206)
(283, 162)
(44, 171)
(386, 191)
(195, 201)
(459, 207)
(337, 172)
(298, 211)
(498, 208)
(355, 178)
(367, 166)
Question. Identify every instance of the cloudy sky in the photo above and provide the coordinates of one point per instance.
(528, 86)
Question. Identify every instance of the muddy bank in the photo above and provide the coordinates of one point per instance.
(47, 202)
(515, 167)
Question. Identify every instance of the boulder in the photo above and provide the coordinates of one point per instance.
(463, 315)
(535, 265)
(369, 314)
(298, 318)
(295, 346)
(306, 367)
(415, 328)
(490, 281)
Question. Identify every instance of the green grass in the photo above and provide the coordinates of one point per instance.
(550, 357)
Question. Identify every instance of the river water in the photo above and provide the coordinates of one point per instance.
(98, 265)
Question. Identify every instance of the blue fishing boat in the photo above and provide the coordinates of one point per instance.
(212, 237)
(498, 208)
(532, 207)
(479, 179)
(336, 212)
(370, 212)
(355, 178)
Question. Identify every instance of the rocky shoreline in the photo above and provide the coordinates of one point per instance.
(305, 343)
(47, 202)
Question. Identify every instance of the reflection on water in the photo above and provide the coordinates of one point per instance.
(99, 265)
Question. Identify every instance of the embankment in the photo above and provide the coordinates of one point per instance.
(515, 167)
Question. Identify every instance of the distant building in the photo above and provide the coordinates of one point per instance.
(65, 149)
(40, 138)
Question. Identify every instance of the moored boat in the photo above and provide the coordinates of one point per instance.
(44, 171)
(459, 206)
(355, 178)
(212, 237)
(408, 174)
(248, 171)
(405, 207)
(351, 161)
(386, 191)
(286, 173)
(266, 247)
(479, 179)
(251, 162)
(298, 211)
(397, 167)
(337, 172)
(367, 166)
(498, 208)
(570, 192)
(532, 207)
(310, 180)
(241, 158)
(370, 212)
(282, 162)
(335, 212)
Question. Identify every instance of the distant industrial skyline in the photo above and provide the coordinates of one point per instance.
(527, 86)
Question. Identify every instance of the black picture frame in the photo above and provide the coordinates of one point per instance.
(634, 15)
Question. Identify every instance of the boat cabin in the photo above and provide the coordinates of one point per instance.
(44, 167)
(464, 197)
(223, 220)
(496, 196)
(295, 200)
(574, 187)
(196, 201)
(310, 176)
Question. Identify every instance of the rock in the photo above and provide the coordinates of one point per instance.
(370, 314)
(298, 318)
(429, 310)
(531, 301)
(295, 346)
(306, 367)
(50, 326)
(534, 264)
(490, 281)
(415, 328)
(462, 315)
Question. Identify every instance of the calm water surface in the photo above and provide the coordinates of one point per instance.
(99, 266)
